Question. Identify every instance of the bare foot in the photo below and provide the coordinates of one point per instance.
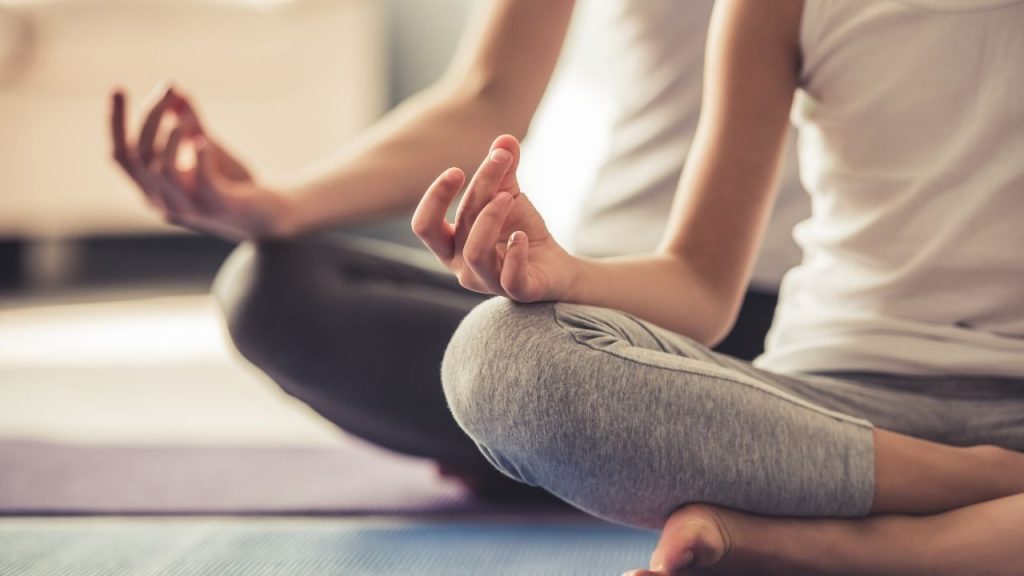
(980, 539)
(695, 537)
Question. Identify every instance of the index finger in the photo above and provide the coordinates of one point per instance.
(429, 222)
(480, 191)
(117, 129)
(184, 109)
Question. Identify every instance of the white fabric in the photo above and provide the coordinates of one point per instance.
(657, 67)
(911, 121)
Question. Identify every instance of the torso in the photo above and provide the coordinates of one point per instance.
(911, 120)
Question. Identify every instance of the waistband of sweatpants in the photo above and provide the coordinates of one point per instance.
(948, 385)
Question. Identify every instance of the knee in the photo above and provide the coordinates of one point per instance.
(477, 368)
(257, 290)
(487, 368)
(502, 384)
(537, 390)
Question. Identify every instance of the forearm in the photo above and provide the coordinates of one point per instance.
(695, 285)
(386, 170)
(660, 288)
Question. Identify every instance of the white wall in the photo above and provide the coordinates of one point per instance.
(281, 84)
(423, 36)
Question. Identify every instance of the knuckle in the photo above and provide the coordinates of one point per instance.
(474, 258)
(467, 282)
(514, 291)
(420, 227)
(512, 284)
(199, 207)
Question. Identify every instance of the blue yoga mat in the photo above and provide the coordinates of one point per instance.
(312, 547)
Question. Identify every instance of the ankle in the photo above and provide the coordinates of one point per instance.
(787, 546)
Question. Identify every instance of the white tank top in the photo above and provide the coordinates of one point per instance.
(911, 145)
(656, 67)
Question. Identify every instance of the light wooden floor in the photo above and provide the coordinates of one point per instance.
(153, 370)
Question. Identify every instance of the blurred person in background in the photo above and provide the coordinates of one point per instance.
(357, 329)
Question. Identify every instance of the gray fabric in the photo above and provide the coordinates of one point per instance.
(275, 547)
(357, 327)
(629, 421)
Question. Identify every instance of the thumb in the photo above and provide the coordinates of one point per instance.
(514, 268)
(207, 190)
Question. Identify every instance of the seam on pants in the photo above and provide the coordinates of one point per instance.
(701, 369)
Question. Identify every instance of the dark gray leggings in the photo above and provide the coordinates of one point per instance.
(356, 328)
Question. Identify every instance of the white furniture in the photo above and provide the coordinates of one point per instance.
(283, 82)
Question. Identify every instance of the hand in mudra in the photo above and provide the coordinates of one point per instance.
(189, 177)
(498, 243)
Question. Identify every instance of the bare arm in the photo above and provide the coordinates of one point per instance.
(695, 281)
(494, 84)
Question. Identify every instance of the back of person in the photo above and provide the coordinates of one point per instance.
(911, 120)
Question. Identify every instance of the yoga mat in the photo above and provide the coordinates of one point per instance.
(40, 478)
(307, 547)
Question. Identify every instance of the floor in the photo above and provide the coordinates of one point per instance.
(306, 547)
(177, 381)
(47, 350)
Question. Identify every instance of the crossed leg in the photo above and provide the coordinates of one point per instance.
(637, 425)
(981, 538)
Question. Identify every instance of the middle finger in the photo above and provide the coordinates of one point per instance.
(480, 191)
(480, 252)
(175, 197)
(147, 135)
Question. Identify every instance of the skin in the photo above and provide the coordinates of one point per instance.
(926, 494)
(498, 244)
(493, 86)
(937, 509)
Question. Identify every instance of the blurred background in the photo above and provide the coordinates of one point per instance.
(108, 338)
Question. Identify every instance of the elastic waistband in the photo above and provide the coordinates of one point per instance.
(950, 386)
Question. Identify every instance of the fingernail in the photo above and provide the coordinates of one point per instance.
(501, 155)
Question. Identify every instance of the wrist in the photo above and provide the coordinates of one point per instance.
(285, 218)
(579, 274)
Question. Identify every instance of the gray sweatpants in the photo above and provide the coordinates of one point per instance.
(628, 421)
(615, 415)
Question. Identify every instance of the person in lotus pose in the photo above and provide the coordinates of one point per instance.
(880, 432)
(357, 328)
